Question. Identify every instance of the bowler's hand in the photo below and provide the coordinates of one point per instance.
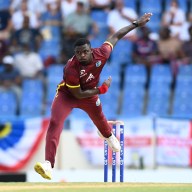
(104, 87)
(144, 19)
(108, 81)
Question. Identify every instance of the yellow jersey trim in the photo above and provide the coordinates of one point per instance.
(109, 44)
(58, 87)
(72, 86)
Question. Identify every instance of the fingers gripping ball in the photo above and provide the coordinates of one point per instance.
(103, 88)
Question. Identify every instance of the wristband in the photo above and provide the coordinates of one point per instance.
(135, 23)
(103, 89)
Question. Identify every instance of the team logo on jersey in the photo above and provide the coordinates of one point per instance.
(98, 102)
(90, 77)
(82, 73)
(98, 63)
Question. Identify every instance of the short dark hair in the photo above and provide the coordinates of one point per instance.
(82, 41)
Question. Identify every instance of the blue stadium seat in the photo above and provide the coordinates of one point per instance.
(158, 94)
(32, 89)
(182, 106)
(136, 74)
(183, 82)
(109, 106)
(54, 31)
(110, 70)
(49, 48)
(155, 23)
(33, 95)
(31, 105)
(158, 108)
(32, 84)
(51, 91)
(134, 90)
(32, 98)
(159, 100)
(185, 70)
(182, 4)
(95, 43)
(99, 16)
(55, 72)
(161, 70)
(152, 6)
(109, 101)
(182, 110)
(183, 95)
(103, 33)
(30, 109)
(131, 4)
(160, 76)
(159, 90)
(54, 77)
(47, 112)
(8, 104)
(5, 4)
(133, 100)
(159, 83)
(122, 52)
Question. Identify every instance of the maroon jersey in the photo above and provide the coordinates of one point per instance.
(86, 76)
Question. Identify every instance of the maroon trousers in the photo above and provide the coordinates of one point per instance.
(61, 108)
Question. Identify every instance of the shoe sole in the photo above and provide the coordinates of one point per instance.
(39, 169)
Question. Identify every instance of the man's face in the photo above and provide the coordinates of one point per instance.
(83, 54)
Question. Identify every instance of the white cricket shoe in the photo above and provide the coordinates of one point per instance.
(112, 142)
(44, 169)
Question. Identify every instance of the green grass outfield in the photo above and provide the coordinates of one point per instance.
(94, 187)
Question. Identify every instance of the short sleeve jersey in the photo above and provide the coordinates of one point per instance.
(87, 76)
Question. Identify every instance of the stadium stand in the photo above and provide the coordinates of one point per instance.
(54, 75)
(54, 72)
(161, 75)
(8, 105)
(134, 90)
(96, 42)
(159, 100)
(136, 74)
(185, 70)
(110, 101)
(4, 4)
(99, 16)
(123, 56)
(182, 106)
(47, 50)
(160, 97)
(133, 104)
(159, 91)
(131, 3)
(32, 98)
(151, 6)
